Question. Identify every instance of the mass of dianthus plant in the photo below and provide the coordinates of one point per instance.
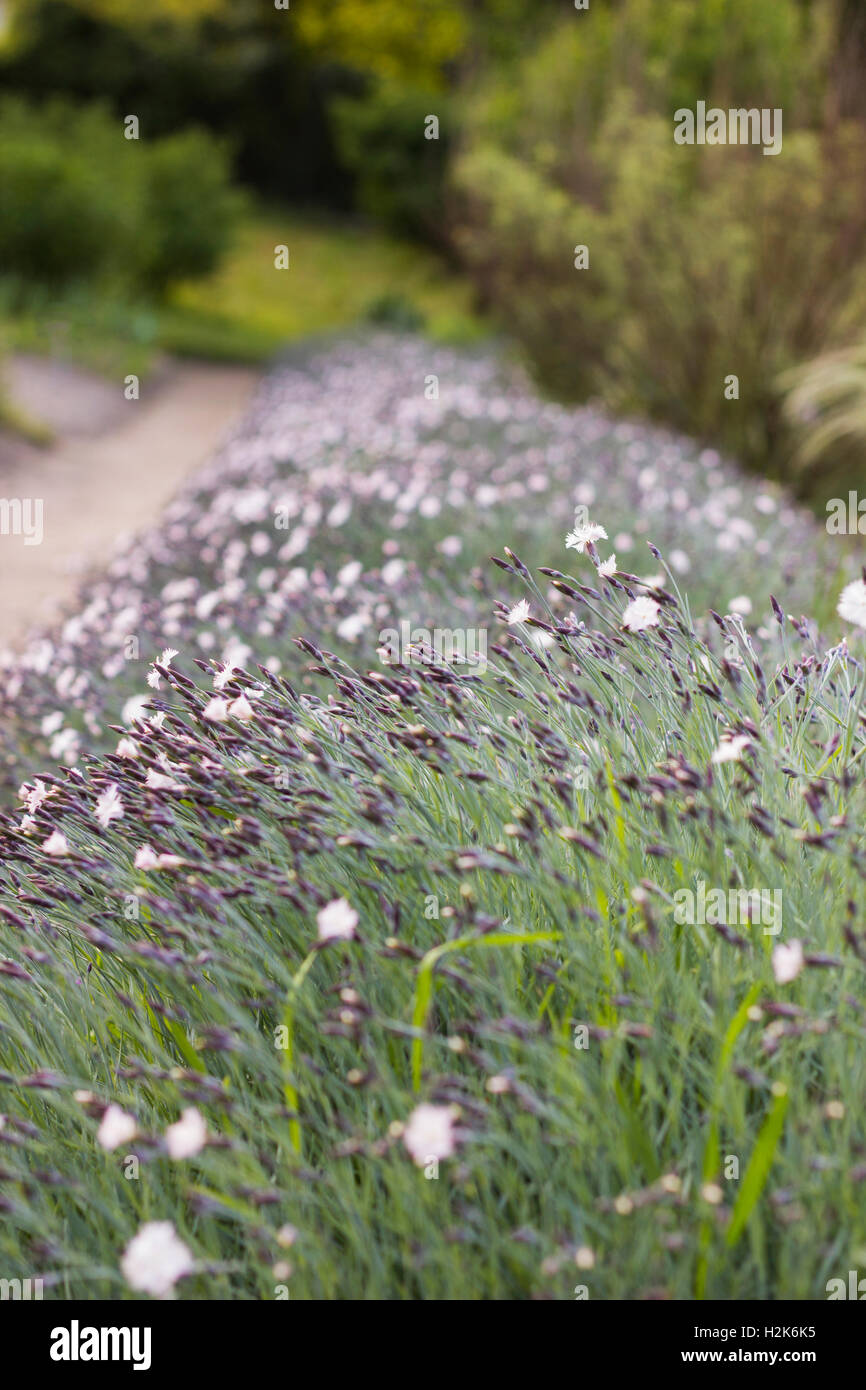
(383, 995)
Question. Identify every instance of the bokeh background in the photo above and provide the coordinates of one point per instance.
(308, 127)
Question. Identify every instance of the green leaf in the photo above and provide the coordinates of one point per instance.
(759, 1168)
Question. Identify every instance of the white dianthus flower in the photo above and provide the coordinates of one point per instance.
(852, 603)
(429, 1133)
(337, 921)
(155, 1259)
(641, 613)
(582, 536)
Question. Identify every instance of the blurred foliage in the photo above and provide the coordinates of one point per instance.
(280, 82)
(190, 209)
(80, 202)
(400, 173)
(407, 43)
(241, 73)
(825, 408)
(703, 262)
(133, 12)
(56, 220)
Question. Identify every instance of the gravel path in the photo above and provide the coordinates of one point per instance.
(113, 466)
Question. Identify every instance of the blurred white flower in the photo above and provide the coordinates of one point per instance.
(788, 961)
(349, 574)
(352, 627)
(731, 750)
(179, 589)
(155, 1259)
(450, 546)
(146, 858)
(241, 709)
(116, 1128)
(429, 1133)
(127, 748)
(742, 604)
(158, 782)
(216, 710)
(641, 613)
(393, 571)
(852, 603)
(680, 561)
(337, 921)
(187, 1136)
(65, 745)
(109, 807)
(133, 710)
(607, 568)
(56, 844)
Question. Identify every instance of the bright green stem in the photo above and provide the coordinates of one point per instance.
(424, 987)
(289, 1089)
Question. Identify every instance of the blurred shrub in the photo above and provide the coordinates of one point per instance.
(399, 172)
(663, 56)
(395, 311)
(53, 215)
(704, 262)
(189, 208)
(80, 202)
(56, 209)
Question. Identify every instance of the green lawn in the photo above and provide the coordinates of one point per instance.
(338, 275)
